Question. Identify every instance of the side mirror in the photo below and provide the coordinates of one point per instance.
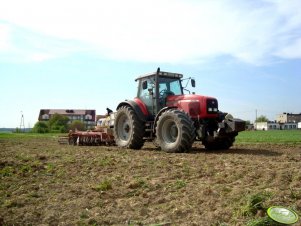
(144, 85)
(192, 82)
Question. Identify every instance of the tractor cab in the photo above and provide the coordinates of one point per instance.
(154, 88)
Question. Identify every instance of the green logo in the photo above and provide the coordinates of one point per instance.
(282, 215)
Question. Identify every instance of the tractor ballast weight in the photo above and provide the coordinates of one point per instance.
(174, 120)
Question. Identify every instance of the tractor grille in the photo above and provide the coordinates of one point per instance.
(194, 109)
(212, 106)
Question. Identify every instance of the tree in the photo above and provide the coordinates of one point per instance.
(58, 123)
(262, 118)
(40, 127)
(79, 125)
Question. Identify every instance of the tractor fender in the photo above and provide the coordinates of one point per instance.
(159, 114)
(135, 107)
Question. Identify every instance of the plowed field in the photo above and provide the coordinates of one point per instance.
(44, 183)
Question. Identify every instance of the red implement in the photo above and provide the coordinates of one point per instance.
(91, 138)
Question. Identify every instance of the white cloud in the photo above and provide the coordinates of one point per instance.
(165, 31)
(4, 37)
(26, 46)
(37, 57)
(292, 50)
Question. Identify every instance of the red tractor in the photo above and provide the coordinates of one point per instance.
(162, 112)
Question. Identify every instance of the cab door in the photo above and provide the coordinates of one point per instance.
(146, 93)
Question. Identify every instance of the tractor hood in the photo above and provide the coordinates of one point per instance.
(197, 106)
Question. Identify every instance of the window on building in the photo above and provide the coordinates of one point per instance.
(45, 117)
(88, 117)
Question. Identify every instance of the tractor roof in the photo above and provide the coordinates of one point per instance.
(161, 74)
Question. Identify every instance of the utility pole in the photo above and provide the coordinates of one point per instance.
(255, 123)
(22, 124)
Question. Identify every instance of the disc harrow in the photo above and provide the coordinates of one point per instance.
(91, 138)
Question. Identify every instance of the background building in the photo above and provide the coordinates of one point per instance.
(275, 126)
(88, 117)
(266, 125)
(288, 117)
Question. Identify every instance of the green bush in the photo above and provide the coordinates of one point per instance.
(79, 125)
(41, 127)
(58, 123)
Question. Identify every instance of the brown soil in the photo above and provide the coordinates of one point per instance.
(44, 183)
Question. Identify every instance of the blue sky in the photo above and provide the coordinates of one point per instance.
(86, 54)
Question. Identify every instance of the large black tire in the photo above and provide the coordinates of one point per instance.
(175, 131)
(226, 143)
(128, 129)
(221, 144)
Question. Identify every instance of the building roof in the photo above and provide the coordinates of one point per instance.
(67, 111)
(291, 114)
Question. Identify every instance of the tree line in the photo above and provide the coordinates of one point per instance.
(57, 124)
(60, 124)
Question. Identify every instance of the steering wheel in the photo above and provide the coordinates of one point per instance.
(163, 94)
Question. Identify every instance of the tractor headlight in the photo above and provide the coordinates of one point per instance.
(212, 106)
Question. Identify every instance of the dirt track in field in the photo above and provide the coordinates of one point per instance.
(44, 183)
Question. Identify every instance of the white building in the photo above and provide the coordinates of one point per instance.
(266, 125)
(293, 125)
(276, 126)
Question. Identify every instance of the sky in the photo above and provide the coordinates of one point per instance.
(72, 54)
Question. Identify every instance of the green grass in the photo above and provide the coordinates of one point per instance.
(104, 185)
(30, 135)
(270, 136)
(254, 203)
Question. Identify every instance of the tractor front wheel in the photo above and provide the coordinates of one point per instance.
(222, 144)
(128, 129)
(175, 131)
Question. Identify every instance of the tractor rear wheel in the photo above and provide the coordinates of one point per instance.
(128, 129)
(175, 131)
